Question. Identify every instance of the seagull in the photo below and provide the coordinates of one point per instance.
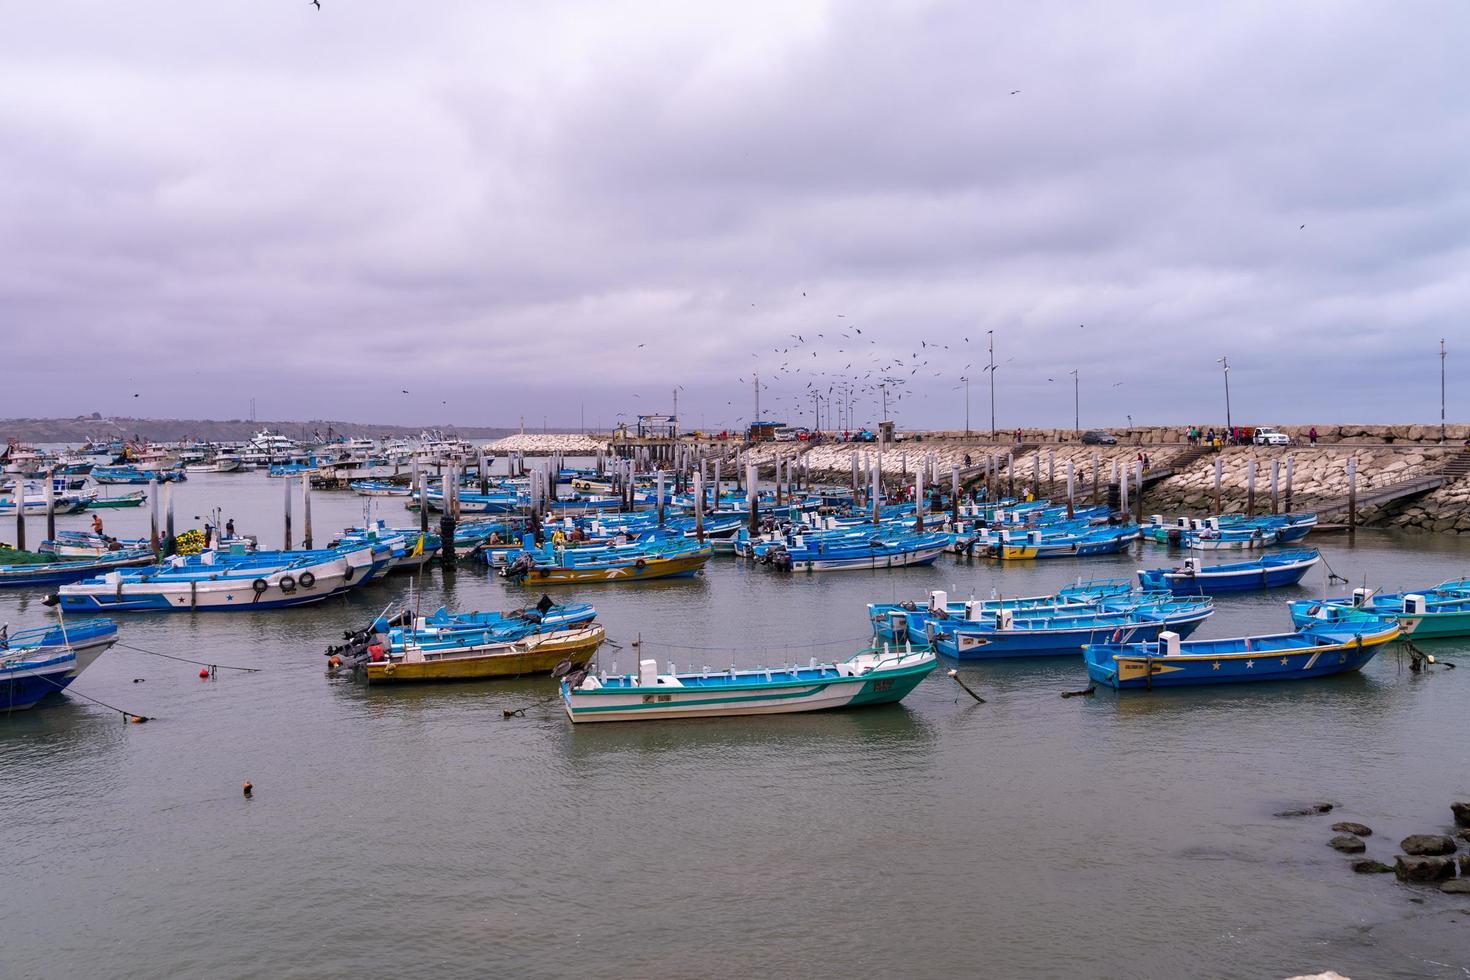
(317, 4)
(404, 390)
(135, 394)
(1014, 91)
(640, 345)
(1299, 229)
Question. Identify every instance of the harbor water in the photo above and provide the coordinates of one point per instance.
(422, 833)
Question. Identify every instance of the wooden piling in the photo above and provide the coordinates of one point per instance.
(1036, 475)
(50, 502)
(1011, 475)
(1219, 474)
(660, 496)
(699, 504)
(1290, 466)
(919, 499)
(954, 496)
(1122, 490)
(154, 541)
(1275, 486)
(751, 497)
(1096, 474)
(1051, 472)
(1071, 491)
(20, 516)
(1352, 475)
(1138, 491)
(287, 511)
(306, 511)
(482, 470)
(1250, 488)
(423, 481)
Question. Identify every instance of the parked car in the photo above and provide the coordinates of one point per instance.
(1097, 437)
(864, 436)
(1267, 435)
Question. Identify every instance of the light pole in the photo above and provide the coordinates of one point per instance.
(990, 334)
(1441, 391)
(1225, 361)
(1076, 401)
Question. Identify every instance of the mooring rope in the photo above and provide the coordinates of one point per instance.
(127, 715)
(186, 660)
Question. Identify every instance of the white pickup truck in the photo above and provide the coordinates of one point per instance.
(1269, 436)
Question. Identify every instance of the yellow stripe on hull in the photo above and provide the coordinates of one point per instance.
(533, 655)
(654, 568)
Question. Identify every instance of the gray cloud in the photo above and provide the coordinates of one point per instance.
(493, 204)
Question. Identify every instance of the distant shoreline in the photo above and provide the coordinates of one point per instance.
(82, 428)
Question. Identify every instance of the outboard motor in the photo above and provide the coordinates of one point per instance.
(1414, 605)
(1360, 596)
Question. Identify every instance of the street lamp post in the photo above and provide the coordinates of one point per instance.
(1076, 401)
(991, 335)
(1225, 361)
(1441, 390)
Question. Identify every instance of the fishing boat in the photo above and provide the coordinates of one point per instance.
(1034, 544)
(36, 505)
(1169, 662)
(1006, 633)
(857, 552)
(85, 544)
(894, 622)
(1438, 612)
(877, 676)
(132, 475)
(42, 661)
(379, 488)
(61, 572)
(412, 548)
(220, 463)
(619, 563)
(1212, 535)
(134, 498)
(459, 656)
(227, 582)
(1276, 570)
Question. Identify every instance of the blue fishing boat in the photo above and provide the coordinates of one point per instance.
(802, 553)
(1437, 612)
(379, 488)
(1272, 571)
(228, 582)
(126, 474)
(1008, 633)
(1169, 662)
(1028, 545)
(40, 662)
(552, 565)
(37, 574)
(877, 676)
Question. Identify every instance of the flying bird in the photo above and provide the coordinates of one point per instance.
(1299, 229)
(317, 4)
(404, 390)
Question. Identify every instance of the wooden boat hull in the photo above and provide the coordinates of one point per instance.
(653, 568)
(134, 499)
(533, 655)
(646, 704)
(64, 572)
(1140, 671)
(903, 559)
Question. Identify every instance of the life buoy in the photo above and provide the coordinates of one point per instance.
(641, 563)
(259, 585)
(287, 583)
(307, 580)
(348, 574)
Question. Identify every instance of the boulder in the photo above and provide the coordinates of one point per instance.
(1423, 868)
(1462, 813)
(1368, 866)
(1465, 865)
(1347, 844)
(1427, 844)
(1307, 811)
(1357, 829)
(1456, 886)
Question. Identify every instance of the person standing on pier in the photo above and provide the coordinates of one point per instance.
(1312, 435)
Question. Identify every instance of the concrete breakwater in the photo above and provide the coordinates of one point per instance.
(1180, 478)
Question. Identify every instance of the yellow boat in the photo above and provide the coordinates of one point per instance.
(532, 655)
(685, 563)
(595, 486)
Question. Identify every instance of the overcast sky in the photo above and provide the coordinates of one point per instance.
(556, 208)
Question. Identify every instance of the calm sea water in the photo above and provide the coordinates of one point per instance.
(419, 833)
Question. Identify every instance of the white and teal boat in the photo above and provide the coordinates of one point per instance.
(877, 676)
(1439, 612)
